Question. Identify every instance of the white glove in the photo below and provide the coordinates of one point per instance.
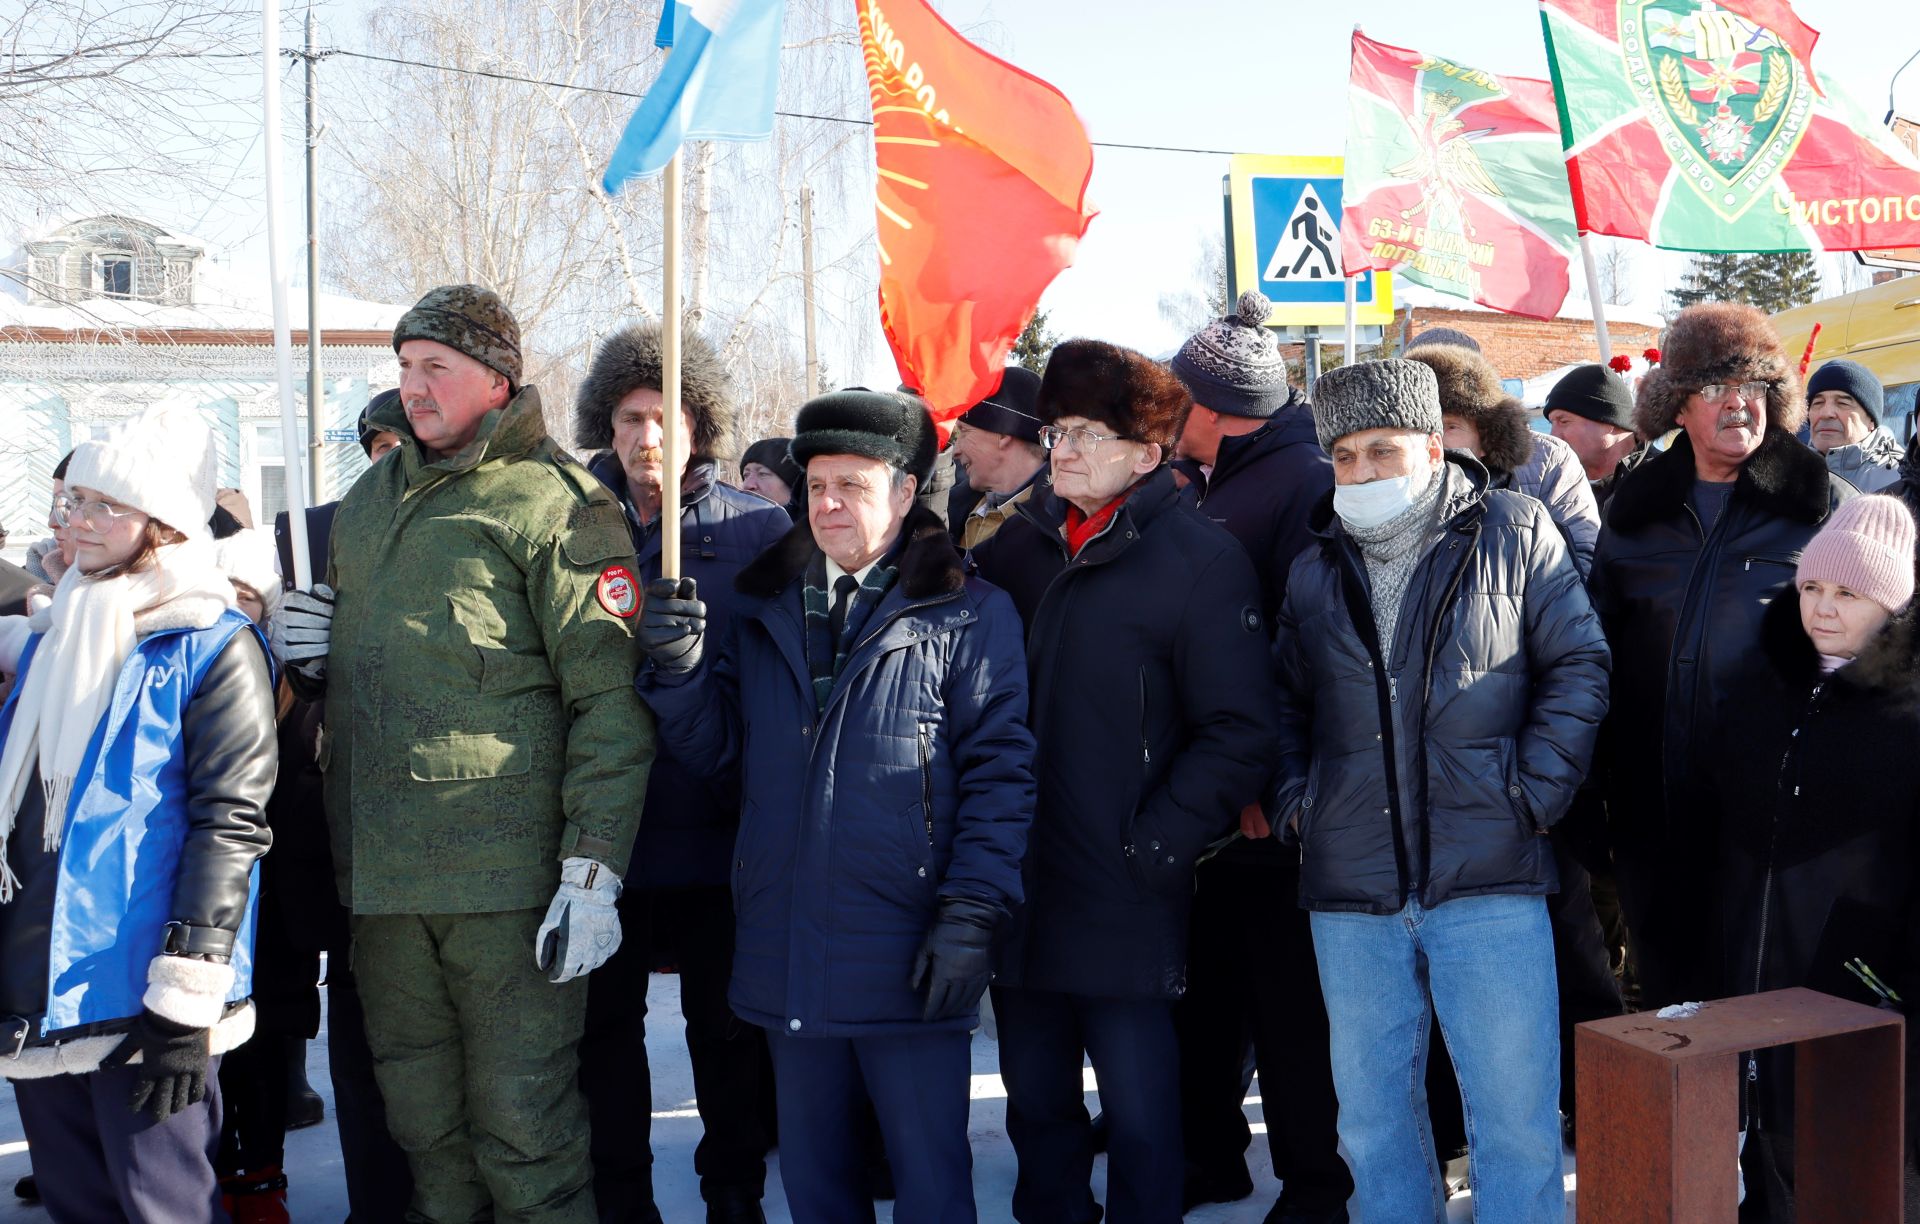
(300, 631)
(582, 929)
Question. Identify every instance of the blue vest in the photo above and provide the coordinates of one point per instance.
(126, 824)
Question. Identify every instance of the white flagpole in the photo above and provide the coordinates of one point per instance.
(1352, 308)
(670, 441)
(1599, 302)
(277, 268)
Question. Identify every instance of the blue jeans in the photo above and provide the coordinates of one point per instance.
(1486, 964)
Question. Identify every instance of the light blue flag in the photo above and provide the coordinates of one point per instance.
(719, 83)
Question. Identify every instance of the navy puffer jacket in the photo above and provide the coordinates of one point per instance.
(1434, 771)
(915, 783)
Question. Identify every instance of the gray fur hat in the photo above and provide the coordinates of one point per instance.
(1390, 394)
(632, 358)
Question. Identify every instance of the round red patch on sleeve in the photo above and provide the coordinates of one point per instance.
(617, 591)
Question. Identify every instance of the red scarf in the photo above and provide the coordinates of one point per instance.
(1081, 527)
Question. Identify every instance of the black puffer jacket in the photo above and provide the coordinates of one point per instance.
(1907, 487)
(1682, 610)
(1817, 783)
(1152, 710)
(1436, 770)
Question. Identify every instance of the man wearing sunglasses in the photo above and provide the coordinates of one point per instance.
(1697, 541)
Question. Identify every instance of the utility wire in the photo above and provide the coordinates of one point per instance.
(627, 93)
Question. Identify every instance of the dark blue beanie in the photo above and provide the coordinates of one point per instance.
(1855, 379)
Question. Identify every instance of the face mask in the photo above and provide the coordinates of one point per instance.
(1373, 503)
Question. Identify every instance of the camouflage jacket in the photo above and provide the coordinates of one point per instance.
(481, 718)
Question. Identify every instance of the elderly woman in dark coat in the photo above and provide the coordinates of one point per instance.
(1819, 790)
(1152, 707)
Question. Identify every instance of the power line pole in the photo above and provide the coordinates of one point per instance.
(806, 287)
(316, 390)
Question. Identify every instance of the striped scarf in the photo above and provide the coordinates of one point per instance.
(826, 657)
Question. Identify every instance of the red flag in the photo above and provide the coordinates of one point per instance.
(981, 199)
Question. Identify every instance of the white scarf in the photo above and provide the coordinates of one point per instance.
(89, 631)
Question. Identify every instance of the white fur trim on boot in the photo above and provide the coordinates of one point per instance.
(187, 991)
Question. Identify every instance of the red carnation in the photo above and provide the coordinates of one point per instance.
(1620, 364)
(1652, 356)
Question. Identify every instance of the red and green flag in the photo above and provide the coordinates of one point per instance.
(1701, 126)
(1454, 180)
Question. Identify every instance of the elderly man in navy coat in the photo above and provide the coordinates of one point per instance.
(874, 700)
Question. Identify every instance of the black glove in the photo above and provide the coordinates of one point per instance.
(672, 625)
(956, 962)
(173, 1064)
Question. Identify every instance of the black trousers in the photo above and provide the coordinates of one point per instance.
(1252, 979)
(694, 928)
(98, 1162)
(379, 1184)
(1044, 1038)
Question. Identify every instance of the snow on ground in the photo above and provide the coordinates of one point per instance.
(318, 1194)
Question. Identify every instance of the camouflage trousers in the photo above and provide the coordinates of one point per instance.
(476, 1053)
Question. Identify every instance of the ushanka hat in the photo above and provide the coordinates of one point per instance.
(1390, 394)
(1128, 391)
(1012, 409)
(1233, 365)
(886, 425)
(467, 319)
(1719, 342)
(634, 359)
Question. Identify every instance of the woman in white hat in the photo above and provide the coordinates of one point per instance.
(136, 756)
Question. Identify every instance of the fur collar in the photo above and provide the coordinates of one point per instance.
(1783, 478)
(929, 564)
(1506, 440)
(1888, 663)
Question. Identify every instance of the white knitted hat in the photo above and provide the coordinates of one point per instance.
(161, 461)
(248, 556)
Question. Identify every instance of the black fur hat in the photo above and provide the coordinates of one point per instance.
(890, 426)
(1470, 388)
(632, 358)
(1719, 342)
(1128, 391)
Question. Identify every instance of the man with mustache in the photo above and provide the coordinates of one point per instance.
(1697, 541)
(677, 904)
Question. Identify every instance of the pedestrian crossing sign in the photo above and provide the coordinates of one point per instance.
(1283, 234)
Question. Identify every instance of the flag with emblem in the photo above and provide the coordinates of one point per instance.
(1702, 126)
(1454, 180)
(980, 201)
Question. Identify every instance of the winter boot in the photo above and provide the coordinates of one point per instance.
(259, 1197)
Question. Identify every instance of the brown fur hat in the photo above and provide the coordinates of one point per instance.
(632, 358)
(1128, 391)
(1470, 388)
(1718, 342)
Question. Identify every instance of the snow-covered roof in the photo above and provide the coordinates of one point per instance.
(1534, 392)
(1420, 297)
(225, 299)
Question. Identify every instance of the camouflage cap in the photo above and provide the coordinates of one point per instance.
(469, 319)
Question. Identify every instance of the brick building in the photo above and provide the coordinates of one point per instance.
(1519, 348)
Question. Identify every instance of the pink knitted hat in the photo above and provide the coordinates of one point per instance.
(1867, 547)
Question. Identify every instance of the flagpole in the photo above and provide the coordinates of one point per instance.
(277, 271)
(1352, 291)
(1595, 298)
(670, 439)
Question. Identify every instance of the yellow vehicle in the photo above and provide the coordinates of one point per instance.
(1877, 327)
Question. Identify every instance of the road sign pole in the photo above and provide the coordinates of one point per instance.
(1310, 359)
(1352, 343)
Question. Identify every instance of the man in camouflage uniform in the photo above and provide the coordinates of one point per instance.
(484, 748)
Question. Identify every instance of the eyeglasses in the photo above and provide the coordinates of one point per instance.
(1716, 393)
(93, 515)
(1084, 440)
